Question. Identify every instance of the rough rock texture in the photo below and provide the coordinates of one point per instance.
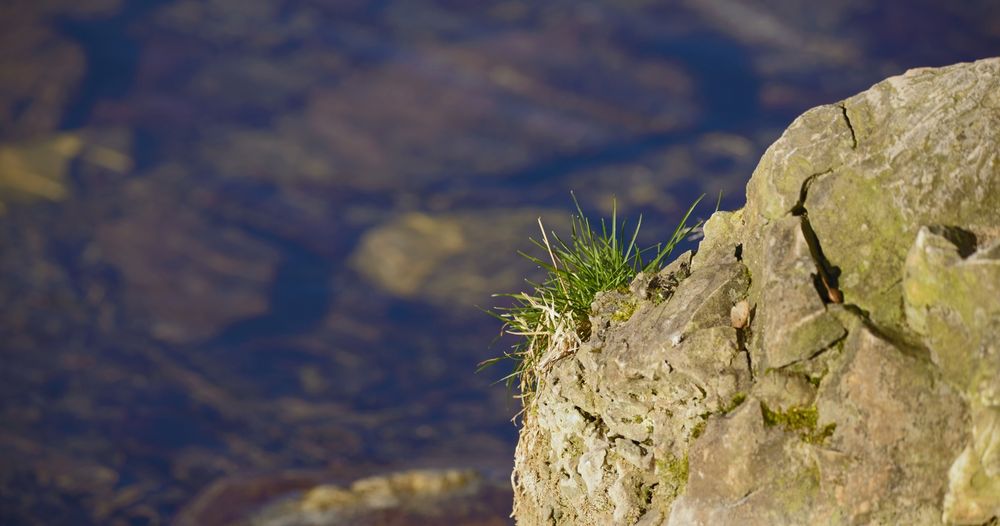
(829, 355)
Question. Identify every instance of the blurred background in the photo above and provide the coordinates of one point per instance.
(242, 242)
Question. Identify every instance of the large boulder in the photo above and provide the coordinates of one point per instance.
(829, 355)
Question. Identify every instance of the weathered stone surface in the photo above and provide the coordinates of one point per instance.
(750, 485)
(914, 150)
(653, 379)
(898, 425)
(829, 354)
(950, 292)
(802, 326)
(950, 300)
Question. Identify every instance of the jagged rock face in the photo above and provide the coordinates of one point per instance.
(830, 355)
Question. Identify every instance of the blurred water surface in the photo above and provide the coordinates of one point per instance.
(242, 241)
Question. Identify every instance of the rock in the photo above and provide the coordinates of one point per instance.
(970, 495)
(949, 299)
(39, 169)
(803, 326)
(828, 356)
(900, 426)
(623, 410)
(950, 289)
(422, 496)
(450, 258)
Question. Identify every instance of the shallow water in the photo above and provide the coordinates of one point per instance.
(243, 242)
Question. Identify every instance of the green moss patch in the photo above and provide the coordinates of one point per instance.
(803, 421)
(735, 402)
(698, 429)
(625, 311)
(673, 472)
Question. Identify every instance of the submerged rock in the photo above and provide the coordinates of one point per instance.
(422, 496)
(39, 169)
(449, 258)
(829, 355)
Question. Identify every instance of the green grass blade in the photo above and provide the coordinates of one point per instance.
(556, 310)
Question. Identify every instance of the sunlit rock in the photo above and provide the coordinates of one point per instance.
(830, 356)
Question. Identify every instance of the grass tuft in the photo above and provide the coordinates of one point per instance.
(553, 319)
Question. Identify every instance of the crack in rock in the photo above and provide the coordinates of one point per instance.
(827, 275)
(903, 342)
(816, 354)
(826, 278)
(854, 138)
(800, 206)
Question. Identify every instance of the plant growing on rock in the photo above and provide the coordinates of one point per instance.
(553, 319)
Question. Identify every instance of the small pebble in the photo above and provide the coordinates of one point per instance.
(740, 314)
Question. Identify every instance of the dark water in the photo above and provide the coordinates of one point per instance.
(242, 243)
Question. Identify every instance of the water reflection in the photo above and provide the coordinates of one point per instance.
(243, 241)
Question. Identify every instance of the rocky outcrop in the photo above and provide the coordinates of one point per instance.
(830, 353)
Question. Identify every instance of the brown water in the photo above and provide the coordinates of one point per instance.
(242, 241)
